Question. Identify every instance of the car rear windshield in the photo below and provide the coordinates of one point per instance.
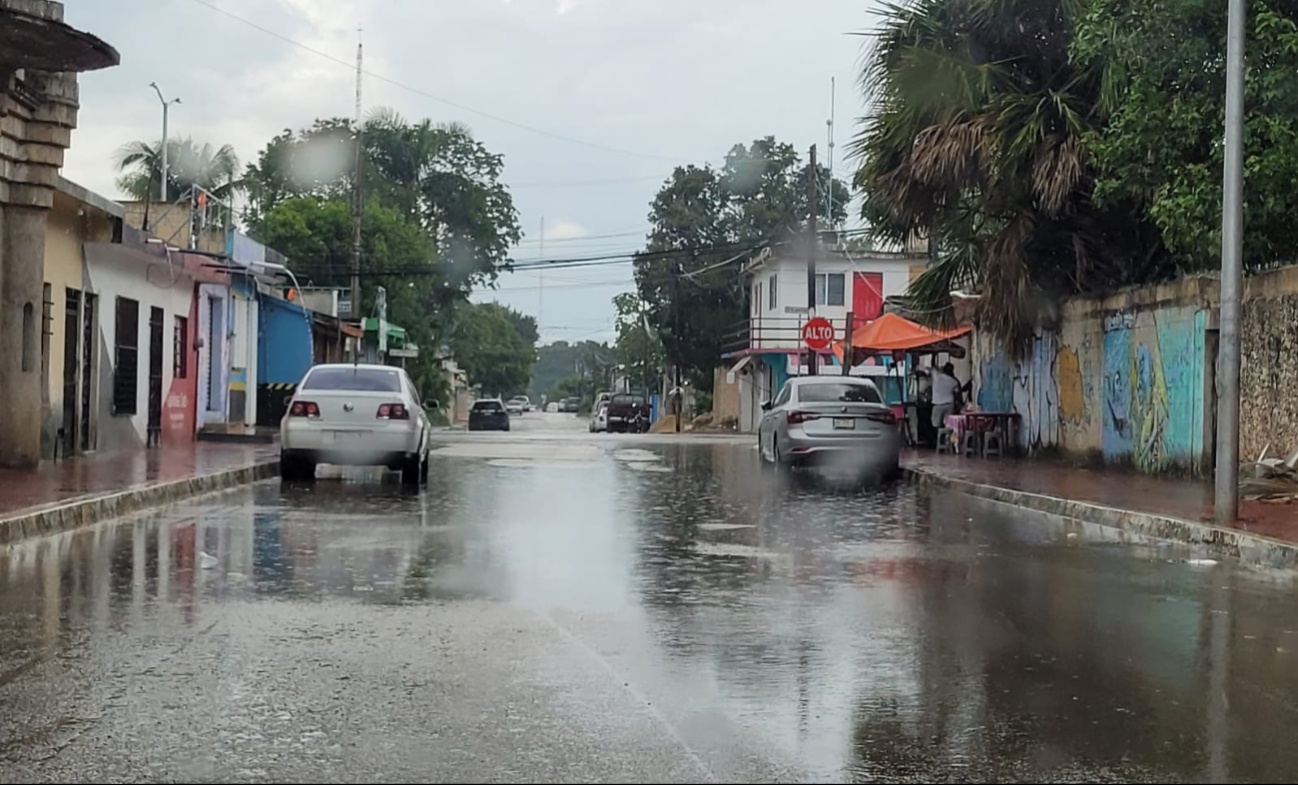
(486, 406)
(634, 400)
(838, 393)
(358, 379)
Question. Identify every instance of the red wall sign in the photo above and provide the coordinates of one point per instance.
(818, 333)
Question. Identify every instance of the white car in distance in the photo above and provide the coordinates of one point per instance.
(355, 415)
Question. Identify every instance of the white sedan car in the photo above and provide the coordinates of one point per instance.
(355, 415)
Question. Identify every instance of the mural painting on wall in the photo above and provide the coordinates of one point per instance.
(1072, 399)
(1028, 388)
(1153, 396)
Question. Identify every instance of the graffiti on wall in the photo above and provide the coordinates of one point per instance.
(1128, 385)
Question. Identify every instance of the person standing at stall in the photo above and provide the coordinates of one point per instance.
(945, 389)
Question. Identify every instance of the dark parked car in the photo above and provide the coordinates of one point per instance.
(628, 412)
(572, 405)
(488, 414)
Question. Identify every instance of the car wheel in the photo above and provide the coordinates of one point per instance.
(295, 469)
(410, 471)
(779, 464)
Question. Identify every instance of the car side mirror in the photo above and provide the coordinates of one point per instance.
(766, 406)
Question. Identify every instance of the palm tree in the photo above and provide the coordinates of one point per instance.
(976, 136)
(213, 169)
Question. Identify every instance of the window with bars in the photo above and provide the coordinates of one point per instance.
(126, 351)
(180, 350)
(775, 279)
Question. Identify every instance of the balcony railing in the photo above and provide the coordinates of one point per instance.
(772, 333)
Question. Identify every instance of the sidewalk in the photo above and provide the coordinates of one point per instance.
(64, 494)
(1169, 508)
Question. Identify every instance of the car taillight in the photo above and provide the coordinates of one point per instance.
(393, 411)
(886, 418)
(304, 409)
(801, 417)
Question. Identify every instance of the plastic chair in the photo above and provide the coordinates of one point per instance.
(944, 441)
(990, 438)
(971, 443)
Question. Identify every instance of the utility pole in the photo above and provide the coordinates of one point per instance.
(676, 339)
(166, 107)
(829, 187)
(1232, 275)
(540, 284)
(357, 186)
(811, 256)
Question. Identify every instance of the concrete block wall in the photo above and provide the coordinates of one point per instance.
(1269, 364)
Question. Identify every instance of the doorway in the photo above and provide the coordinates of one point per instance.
(215, 346)
(155, 377)
(89, 331)
(71, 364)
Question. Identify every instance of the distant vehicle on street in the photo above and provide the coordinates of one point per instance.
(553, 407)
(628, 412)
(526, 401)
(355, 415)
(837, 421)
(488, 414)
(572, 405)
(515, 406)
(599, 420)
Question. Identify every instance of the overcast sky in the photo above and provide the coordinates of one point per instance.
(664, 82)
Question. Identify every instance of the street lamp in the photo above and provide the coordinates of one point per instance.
(1232, 275)
(166, 107)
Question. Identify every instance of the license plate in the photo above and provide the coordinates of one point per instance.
(844, 424)
(346, 436)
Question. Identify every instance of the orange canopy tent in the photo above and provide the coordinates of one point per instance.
(893, 334)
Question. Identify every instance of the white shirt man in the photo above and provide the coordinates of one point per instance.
(944, 386)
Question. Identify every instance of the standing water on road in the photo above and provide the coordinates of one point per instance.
(573, 608)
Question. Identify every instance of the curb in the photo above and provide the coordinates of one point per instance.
(83, 511)
(1245, 546)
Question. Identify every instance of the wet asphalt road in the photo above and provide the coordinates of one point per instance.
(560, 606)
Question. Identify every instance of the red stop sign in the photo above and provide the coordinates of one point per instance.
(818, 333)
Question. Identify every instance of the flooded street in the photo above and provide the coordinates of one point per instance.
(565, 606)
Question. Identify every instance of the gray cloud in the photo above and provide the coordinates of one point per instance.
(668, 80)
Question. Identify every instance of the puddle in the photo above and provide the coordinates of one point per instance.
(724, 527)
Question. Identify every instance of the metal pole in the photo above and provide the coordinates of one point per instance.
(1232, 275)
(358, 198)
(676, 339)
(811, 256)
(829, 187)
(165, 112)
(847, 345)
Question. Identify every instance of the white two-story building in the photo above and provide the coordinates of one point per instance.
(849, 284)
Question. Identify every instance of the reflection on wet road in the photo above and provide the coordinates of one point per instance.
(580, 608)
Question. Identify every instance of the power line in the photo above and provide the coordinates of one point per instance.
(426, 94)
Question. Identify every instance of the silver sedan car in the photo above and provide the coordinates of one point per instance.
(839, 422)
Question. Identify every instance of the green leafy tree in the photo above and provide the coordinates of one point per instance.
(1163, 67)
(436, 220)
(561, 359)
(638, 347)
(490, 350)
(976, 136)
(701, 219)
(316, 234)
(437, 176)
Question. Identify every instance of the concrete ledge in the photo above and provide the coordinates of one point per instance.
(1233, 543)
(83, 511)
